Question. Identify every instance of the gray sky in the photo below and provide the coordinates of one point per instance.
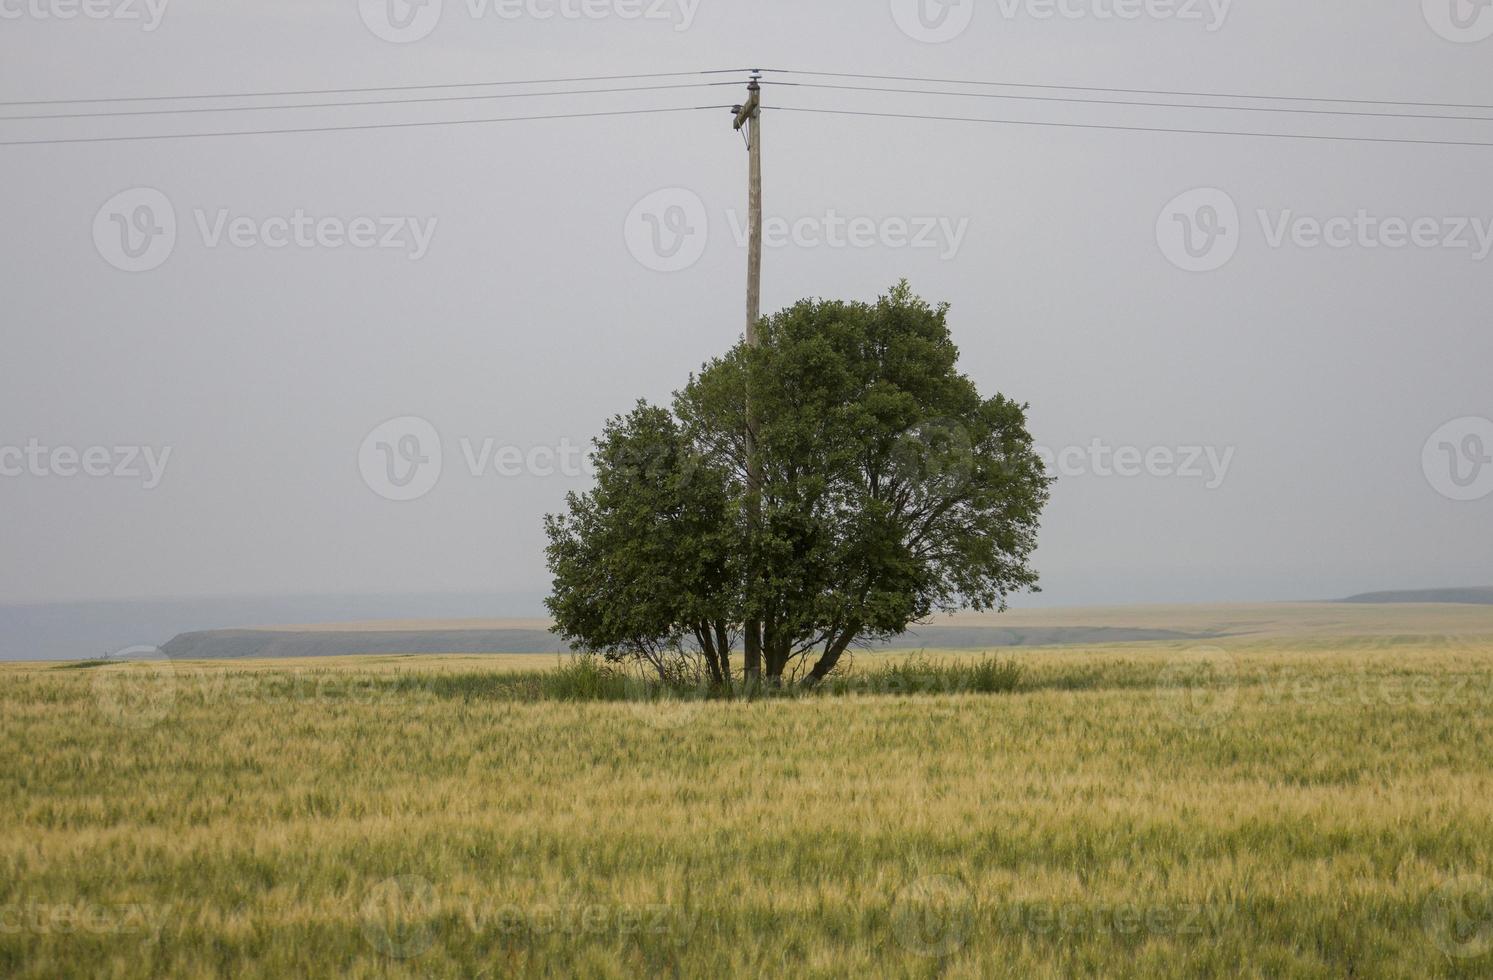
(530, 313)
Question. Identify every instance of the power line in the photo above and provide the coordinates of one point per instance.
(377, 88)
(370, 102)
(1131, 102)
(1125, 91)
(691, 85)
(286, 93)
(1133, 129)
(841, 112)
(702, 84)
(342, 129)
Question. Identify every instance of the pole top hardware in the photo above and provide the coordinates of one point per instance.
(753, 102)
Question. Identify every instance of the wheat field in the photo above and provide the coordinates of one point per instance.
(1316, 806)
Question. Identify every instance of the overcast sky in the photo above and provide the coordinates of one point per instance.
(543, 275)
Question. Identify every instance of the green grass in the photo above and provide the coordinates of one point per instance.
(918, 674)
(589, 678)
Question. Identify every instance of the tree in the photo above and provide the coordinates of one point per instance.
(647, 563)
(890, 491)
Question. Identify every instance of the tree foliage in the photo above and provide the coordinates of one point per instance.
(890, 490)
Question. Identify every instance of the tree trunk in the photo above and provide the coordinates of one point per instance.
(778, 651)
(752, 654)
(831, 656)
(709, 649)
(723, 650)
(654, 659)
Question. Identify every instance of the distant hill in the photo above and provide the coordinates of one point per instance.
(77, 630)
(1408, 614)
(1472, 597)
(406, 626)
(274, 644)
(369, 639)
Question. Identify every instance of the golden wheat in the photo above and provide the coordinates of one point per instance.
(1263, 807)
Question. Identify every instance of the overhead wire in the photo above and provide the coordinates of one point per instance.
(358, 127)
(1124, 128)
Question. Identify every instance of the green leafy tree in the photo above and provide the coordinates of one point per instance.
(647, 564)
(890, 490)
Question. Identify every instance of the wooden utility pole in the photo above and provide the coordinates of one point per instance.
(750, 116)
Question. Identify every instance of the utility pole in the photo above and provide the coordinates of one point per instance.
(750, 116)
